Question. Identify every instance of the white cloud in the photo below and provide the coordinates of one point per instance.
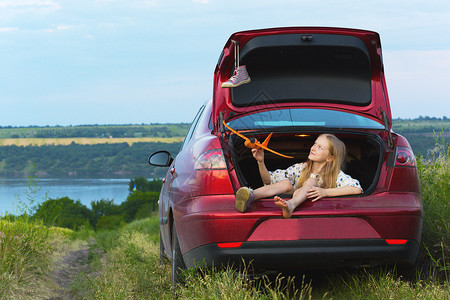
(8, 29)
(59, 28)
(47, 5)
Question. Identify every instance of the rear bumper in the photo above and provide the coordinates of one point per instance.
(304, 254)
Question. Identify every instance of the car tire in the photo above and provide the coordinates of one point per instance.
(177, 259)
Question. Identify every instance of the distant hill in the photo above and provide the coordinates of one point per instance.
(121, 151)
(96, 131)
(423, 133)
(91, 151)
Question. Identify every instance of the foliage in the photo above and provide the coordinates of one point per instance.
(382, 283)
(421, 124)
(27, 205)
(63, 212)
(83, 161)
(144, 185)
(104, 214)
(132, 269)
(122, 160)
(420, 133)
(25, 250)
(104, 208)
(135, 201)
(110, 222)
(435, 184)
(98, 131)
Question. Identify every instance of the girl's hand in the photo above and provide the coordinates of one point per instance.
(316, 193)
(258, 154)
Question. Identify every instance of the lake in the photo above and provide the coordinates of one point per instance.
(85, 190)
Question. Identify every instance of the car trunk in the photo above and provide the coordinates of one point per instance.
(363, 160)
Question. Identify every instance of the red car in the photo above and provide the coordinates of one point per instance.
(304, 81)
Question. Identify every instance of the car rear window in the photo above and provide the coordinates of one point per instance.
(282, 68)
(304, 118)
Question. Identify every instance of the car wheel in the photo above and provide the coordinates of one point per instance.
(177, 259)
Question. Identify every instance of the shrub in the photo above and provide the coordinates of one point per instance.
(144, 185)
(63, 212)
(110, 222)
(136, 201)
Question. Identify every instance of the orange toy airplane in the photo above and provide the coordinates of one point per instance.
(255, 144)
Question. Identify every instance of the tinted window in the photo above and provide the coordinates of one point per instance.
(192, 128)
(282, 68)
(304, 118)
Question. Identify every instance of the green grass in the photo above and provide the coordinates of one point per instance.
(25, 258)
(130, 266)
(435, 184)
(125, 262)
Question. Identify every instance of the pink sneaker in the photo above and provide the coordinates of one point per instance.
(239, 77)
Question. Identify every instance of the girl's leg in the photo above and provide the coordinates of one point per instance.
(269, 190)
(298, 198)
(244, 196)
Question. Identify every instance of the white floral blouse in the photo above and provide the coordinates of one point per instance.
(293, 174)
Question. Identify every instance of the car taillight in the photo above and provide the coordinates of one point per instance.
(211, 160)
(230, 245)
(396, 241)
(404, 157)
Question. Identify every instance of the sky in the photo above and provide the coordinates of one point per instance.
(82, 62)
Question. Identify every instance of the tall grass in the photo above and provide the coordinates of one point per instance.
(127, 264)
(25, 258)
(130, 265)
(383, 283)
(435, 184)
(130, 268)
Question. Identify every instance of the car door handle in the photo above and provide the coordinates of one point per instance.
(172, 170)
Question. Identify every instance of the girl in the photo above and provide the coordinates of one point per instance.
(320, 176)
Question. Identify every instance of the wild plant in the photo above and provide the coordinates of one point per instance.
(27, 202)
(435, 184)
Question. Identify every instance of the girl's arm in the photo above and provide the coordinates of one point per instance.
(265, 175)
(317, 193)
(258, 154)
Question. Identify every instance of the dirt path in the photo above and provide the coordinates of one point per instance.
(71, 268)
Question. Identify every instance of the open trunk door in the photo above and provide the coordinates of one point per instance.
(303, 67)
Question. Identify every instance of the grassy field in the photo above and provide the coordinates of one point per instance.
(122, 131)
(425, 126)
(125, 264)
(85, 141)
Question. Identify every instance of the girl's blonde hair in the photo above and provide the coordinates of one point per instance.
(328, 175)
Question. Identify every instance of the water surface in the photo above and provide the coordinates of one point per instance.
(12, 191)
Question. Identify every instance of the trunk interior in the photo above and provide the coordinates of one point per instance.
(363, 161)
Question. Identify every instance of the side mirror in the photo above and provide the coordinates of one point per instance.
(160, 159)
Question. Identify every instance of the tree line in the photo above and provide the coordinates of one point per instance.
(96, 131)
(125, 161)
(83, 161)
